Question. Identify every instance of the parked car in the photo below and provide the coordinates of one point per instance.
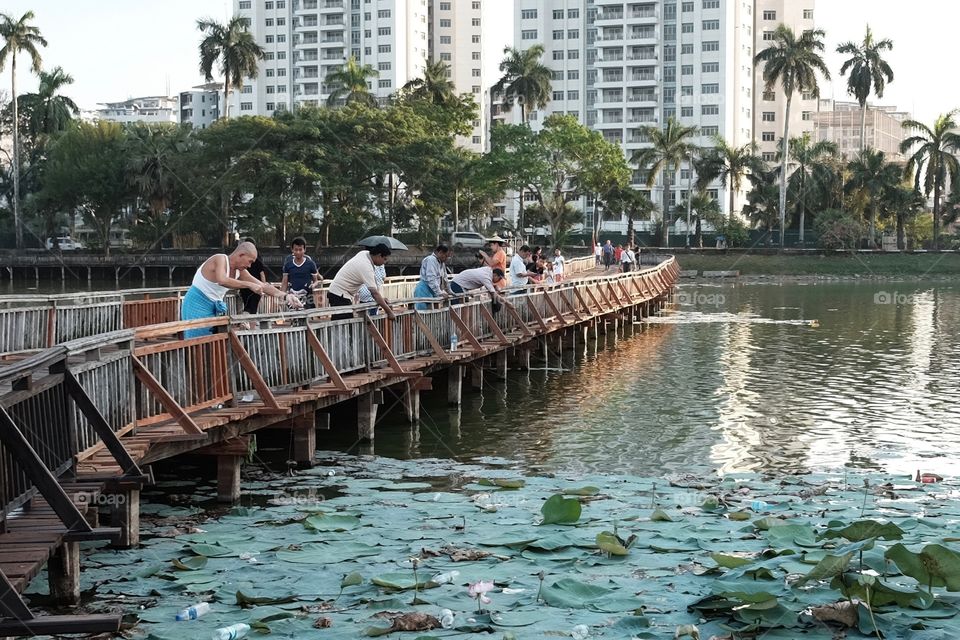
(467, 239)
(64, 243)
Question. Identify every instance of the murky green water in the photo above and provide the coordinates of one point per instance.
(732, 381)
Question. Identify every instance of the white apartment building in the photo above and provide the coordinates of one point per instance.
(149, 109)
(470, 36)
(622, 65)
(771, 106)
(839, 122)
(200, 106)
(307, 39)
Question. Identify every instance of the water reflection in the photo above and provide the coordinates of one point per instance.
(873, 387)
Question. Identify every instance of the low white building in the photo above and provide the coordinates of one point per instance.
(200, 106)
(149, 109)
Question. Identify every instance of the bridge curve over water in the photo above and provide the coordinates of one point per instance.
(96, 387)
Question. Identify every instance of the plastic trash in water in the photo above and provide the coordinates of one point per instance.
(232, 632)
(760, 505)
(446, 619)
(580, 632)
(194, 612)
(445, 578)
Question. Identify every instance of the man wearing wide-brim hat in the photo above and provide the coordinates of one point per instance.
(498, 258)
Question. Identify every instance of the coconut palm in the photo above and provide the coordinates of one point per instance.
(729, 164)
(793, 63)
(18, 36)
(350, 84)
(670, 148)
(525, 81)
(435, 86)
(236, 50)
(762, 201)
(869, 72)
(933, 160)
(872, 177)
(703, 207)
(627, 201)
(153, 152)
(903, 202)
(807, 170)
(48, 111)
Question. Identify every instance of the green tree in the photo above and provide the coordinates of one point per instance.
(47, 111)
(435, 86)
(349, 84)
(762, 201)
(87, 169)
(18, 36)
(236, 50)
(933, 160)
(872, 177)
(793, 63)
(869, 73)
(525, 81)
(729, 164)
(904, 203)
(671, 147)
(703, 207)
(808, 171)
(625, 201)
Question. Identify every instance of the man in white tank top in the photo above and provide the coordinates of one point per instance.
(215, 277)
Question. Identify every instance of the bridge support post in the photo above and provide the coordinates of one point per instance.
(322, 421)
(228, 478)
(411, 402)
(476, 375)
(455, 384)
(366, 416)
(501, 360)
(126, 515)
(304, 432)
(170, 275)
(521, 358)
(63, 572)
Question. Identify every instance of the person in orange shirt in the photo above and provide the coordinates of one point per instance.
(498, 259)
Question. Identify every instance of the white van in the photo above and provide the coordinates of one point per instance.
(64, 243)
(468, 240)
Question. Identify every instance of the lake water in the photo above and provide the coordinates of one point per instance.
(736, 379)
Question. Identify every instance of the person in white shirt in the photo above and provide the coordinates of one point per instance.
(358, 271)
(519, 276)
(597, 252)
(626, 259)
(559, 263)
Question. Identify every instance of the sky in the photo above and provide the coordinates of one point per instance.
(117, 49)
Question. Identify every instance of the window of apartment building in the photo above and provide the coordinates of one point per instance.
(670, 74)
(475, 89)
(367, 33)
(384, 66)
(268, 55)
(476, 139)
(556, 75)
(711, 25)
(808, 14)
(769, 156)
(281, 88)
(246, 106)
(383, 31)
(281, 55)
(669, 32)
(573, 54)
(444, 6)
(475, 6)
(366, 16)
(768, 35)
(686, 7)
(475, 39)
(573, 34)
(573, 95)
(528, 34)
(475, 22)
(385, 48)
(709, 88)
(686, 49)
(669, 53)
(686, 70)
(686, 27)
(384, 84)
(558, 34)
(281, 37)
(769, 96)
(711, 67)
(558, 95)
(710, 110)
(670, 11)
(269, 73)
(573, 14)
(446, 57)
(268, 39)
(573, 74)
(268, 5)
(281, 22)
(244, 4)
(711, 4)
(710, 45)
(247, 89)
(768, 136)
(686, 112)
(383, 13)
(281, 4)
(558, 14)
(769, 15)
(528, 14)
(669, 95)
(558, 54)
(769, 116)
(268, 22)
(807, 95)
(445, 40)
(686, 90)
(270, 106)
(444, 23)
(475, 55)
(806, 115)
(281, 73)
(367, 51)
(475, 73)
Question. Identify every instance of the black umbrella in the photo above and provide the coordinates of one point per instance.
(393, 243)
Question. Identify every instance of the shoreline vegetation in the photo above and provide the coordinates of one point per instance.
(846, 265)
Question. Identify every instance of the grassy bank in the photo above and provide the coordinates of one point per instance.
(862, 265)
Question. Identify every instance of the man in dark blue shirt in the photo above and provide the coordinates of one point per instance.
(300, 272)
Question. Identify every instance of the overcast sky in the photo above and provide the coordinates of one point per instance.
(117, 49)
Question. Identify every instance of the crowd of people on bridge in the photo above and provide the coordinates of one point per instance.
(621, 258)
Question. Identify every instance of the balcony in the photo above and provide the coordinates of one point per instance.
(332, 4)
(309, 55)
(609, 16)
(642, 97)
(643, 34)
(643, 12)
(307, 5)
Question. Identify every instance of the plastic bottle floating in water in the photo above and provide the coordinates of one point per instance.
(194, 612)
(232, 632)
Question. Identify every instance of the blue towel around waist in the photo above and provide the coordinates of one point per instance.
(195, 306)
(423, 290)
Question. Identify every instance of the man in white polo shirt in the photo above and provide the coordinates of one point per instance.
(519, 276)
(358, 271)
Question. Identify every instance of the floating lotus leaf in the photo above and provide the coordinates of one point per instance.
(191, 563)
(560, 510)
(935, 566)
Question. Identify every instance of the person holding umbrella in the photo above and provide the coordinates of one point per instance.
(358, 271)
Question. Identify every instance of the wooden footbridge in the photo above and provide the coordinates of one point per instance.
(95, 388)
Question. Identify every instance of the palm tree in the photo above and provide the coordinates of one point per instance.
(868, 72)
(18, 36)
(671, 147)
(627, 201)
(349, 83)
(903, 202)
(793, 63)
(807, 158)
(435, 86)
(153, 152)
(872, 176)
(525, 81)
(48, 111)
(703, 207)
(729, 164)
(933, 160)
(235, 48)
